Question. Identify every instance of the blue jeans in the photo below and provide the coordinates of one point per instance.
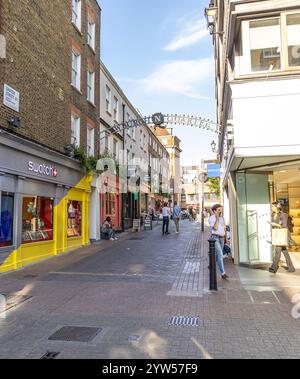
(219, 253)
(112, 233)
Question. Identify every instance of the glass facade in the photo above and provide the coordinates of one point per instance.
(74, 210)
(6, 218)
(37, 219)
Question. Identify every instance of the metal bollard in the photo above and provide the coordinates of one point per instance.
(213, 286)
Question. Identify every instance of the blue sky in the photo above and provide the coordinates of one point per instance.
(161, 54)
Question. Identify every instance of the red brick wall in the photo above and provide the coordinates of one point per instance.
(38, 65)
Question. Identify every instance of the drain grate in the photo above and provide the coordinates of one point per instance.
(50, 355)
(75, 334)
(184, 321)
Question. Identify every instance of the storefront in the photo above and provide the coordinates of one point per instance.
(44, 203)
(256, 189)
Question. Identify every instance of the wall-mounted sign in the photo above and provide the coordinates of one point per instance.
(42, 169)
(158, 119)
(213, 170)
(11, 98)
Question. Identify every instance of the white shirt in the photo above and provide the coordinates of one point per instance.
(221, 229)
(166, 212)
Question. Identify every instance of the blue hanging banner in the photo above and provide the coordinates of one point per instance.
(213, 170)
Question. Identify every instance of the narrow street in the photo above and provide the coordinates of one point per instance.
(130, 292)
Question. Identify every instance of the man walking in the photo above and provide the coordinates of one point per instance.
(176, 216)
(280, 220)
(217, 227)
(166, 218)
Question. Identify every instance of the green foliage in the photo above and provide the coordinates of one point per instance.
(214, 185)
(89, 164)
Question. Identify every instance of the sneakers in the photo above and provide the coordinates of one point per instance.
(112, 239)
(116, 239)
(225, 276)
(272, 271)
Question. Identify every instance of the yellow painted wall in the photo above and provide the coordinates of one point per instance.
(34, 252)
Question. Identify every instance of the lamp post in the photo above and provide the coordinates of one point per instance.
(211, 14)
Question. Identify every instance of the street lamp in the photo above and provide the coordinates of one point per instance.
(211, 15)
(213, 146)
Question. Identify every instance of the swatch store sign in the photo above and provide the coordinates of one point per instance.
(42, 169)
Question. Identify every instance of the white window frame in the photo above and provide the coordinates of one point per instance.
(75, 130)
(76, 13)
(115, 148)
(244, 63)
(90, 141)
(116, 109)
(91, 86)
(108, 99)
(91, 34)
(76, 69)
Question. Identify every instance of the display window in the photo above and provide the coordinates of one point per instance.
(6, 218)
(37, 219)
(74, 219)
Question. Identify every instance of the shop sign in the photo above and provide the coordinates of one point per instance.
(11, 98)
(42, 169)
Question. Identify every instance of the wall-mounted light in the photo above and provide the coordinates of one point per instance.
(211, 16)
(213, 146)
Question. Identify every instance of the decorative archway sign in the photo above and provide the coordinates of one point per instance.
(162, 121)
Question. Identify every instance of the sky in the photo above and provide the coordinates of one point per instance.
(161, 55)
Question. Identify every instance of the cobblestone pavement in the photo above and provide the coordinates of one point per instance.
(131, 290)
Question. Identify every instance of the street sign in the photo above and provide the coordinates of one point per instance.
(158, 119)
(213, 170)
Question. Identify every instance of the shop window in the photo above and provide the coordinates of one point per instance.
(37, 219)
(6, 219)
(74, 219)
(110, 204)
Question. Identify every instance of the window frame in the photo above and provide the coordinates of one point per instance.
(77, 6)
(108, 99)
(75, 133)
(77, 70)
(91, 35)
(90, 144)
(245, 65)
(91, 86)
(116, 109)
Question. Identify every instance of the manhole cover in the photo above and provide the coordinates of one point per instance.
(75, 334)
(12, 301)
(50, 355)
(184, 321)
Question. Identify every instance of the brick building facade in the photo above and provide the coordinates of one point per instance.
(51, 64)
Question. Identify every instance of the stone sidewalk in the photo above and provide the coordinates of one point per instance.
(146, 296)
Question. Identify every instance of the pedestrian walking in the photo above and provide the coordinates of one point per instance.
(176, 216)
(217, 227)
(280, 221)
(166, 218)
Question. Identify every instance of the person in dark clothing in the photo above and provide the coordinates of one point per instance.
(166, 218)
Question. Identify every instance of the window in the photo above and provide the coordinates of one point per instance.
(116, 109)
(76, 67)
(6, 218)
(110, 204)
(37, 219)
(75, 130)
(127, 120)
(265, 45)
(91, 34)
(115, 148)
(133, 132)
(108, 99)
(74, 219)
(293, 39)
(76, 13)
(91, 87)
(90, 141)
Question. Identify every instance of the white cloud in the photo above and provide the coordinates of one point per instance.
(182, 77)
(192, 30)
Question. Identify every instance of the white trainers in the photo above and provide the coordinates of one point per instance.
(112, 239)
(116, 239)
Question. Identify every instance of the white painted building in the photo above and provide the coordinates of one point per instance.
(258, 95)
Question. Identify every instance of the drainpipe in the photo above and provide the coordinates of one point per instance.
(123, 194)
